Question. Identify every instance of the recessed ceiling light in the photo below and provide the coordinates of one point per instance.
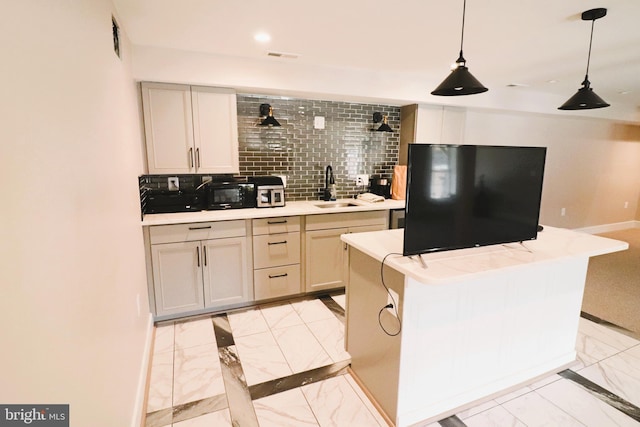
(552, 81)
(624, 92)
(262, 37)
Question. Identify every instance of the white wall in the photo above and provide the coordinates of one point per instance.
(71, 251)
(591, 168)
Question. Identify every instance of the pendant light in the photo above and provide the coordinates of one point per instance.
(586, 98)
(267, 110)
(460, 81)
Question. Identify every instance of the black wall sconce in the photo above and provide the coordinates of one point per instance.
(269, 120)
(384, 127)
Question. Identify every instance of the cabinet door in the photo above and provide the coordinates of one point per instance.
(428, 124)
(453, 125)
(440, 125)
(215, 130)
(226, 278)
(324, 261)
(168, 127)
(361, 229)
(177, 277)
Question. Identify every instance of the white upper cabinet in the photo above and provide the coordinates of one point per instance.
(168, 123)
(190, 129)
(430, 124)
(215, 129)
(439, 125)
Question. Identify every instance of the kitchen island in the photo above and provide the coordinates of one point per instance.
(470, 324)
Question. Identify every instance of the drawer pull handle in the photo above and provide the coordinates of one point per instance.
(200, 228)
(277, 222)
(278, 275)
(284, 242)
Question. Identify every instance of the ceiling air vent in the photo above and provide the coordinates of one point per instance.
(283, 55)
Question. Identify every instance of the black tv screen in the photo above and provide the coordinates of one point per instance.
(462, 196)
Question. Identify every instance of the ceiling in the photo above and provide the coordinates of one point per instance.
(526, 46)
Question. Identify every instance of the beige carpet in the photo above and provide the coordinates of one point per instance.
(612, 291)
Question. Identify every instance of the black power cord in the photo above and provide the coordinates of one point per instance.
(394, 305)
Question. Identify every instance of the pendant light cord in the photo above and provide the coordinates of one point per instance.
(464, 8)
(586, 76)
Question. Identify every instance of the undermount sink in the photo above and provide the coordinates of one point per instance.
(336, 205)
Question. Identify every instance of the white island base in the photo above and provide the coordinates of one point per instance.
(476, 323)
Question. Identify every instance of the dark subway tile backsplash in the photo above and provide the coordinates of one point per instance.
(301, 152)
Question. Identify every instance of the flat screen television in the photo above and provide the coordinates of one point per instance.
(463, 196)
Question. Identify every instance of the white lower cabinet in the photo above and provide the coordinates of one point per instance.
(326, 255)
(276, 257)
(208, 270)
(225, 272)
(177, 277)
(325, 261)
(199, 267)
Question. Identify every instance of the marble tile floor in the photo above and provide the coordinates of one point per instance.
(285, 365)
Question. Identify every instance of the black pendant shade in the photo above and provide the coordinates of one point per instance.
(385, 128)
(586, 98)
(460, 81)
(266, 109)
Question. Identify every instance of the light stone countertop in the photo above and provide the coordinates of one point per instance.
(293, 208)
(552, 244)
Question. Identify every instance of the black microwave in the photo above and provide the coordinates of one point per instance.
(230, 195)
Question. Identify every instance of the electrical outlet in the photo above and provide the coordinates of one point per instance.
(318, 122)
(626, 205)
(393, 298)
(362, 180)
(563, 212)
(173, 183)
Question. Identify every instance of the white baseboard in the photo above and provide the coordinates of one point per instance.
(606, 228)
(138, 409)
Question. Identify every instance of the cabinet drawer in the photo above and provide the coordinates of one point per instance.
(276, 282)
(196, 231)
(271, 250)
(350, 219)
(284, 224)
